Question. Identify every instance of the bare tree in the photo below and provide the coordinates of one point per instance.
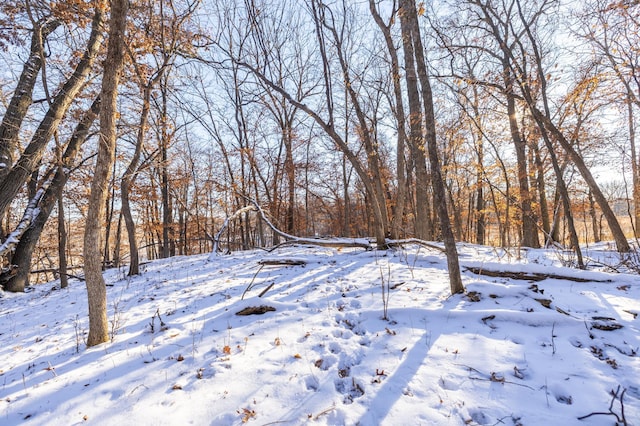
(96, 288)
(411, 34)
(543, 117)
(611, 28)
(401, 196)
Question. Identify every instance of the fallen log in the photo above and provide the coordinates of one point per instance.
(256, 310)
(423, 243)
(283, 262)
(530, 276)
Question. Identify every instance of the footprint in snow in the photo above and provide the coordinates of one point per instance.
(349, 388)
(334, 348)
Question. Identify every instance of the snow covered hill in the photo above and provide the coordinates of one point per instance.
(511, 351)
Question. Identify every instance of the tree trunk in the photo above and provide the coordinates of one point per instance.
(96, 288)
(635, 167)
(618, 235)
(118, 243)
(564, 195)
(423, 225)
(478, 136)
(30, 158)
(290, 170)
(544, 119)
(24, 249)
(594, 219)
(346, 222)
(109, 208)
(529, 231)
(542, 195)
(167, 230)
(129, 177)
(401, 195)
(22, 97)
(62, 242)
(373, 178)
(411, 19)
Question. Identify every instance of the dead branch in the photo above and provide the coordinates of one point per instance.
(256, 310)
(423, 243)
(283, 262)
(530, 276)
(271, 262)
(238, 213)
(290, 239)
(332, 243)
(620, 419)
(493, 377)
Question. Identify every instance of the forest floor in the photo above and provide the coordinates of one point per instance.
(547, 345)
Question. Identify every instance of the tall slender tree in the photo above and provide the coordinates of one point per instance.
(96, 288)
(409, 20)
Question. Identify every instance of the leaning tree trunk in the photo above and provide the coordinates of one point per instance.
(564, 195)
(32, 155)
(22, 97)
(96, 288)
(24, 249)
(409, 17)
(618, 235)
(374, 184)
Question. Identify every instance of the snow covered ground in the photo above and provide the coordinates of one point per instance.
(510, 351)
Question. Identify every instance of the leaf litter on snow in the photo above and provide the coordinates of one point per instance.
(315, 348)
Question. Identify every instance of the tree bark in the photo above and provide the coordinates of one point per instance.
(290, 170)
(542, 195)
(167, 225)
(62, 242)
(96, 288)
(594, 218)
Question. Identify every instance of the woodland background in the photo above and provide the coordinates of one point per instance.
(507, 123)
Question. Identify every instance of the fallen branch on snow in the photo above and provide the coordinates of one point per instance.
(290, 239)
(423, 243)
(530, 276)
(620, 419)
